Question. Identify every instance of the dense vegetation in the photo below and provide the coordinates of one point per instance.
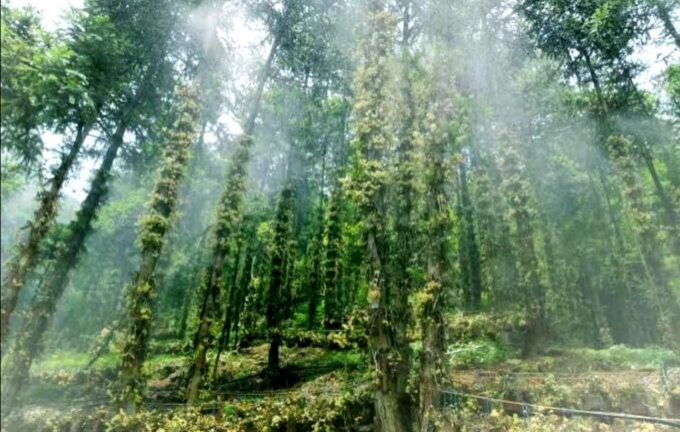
(378, 199)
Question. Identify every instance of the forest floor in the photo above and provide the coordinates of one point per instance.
(324, 389)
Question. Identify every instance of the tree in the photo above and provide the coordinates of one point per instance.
(646, 234)
(332, 296)
(387, 330)
(43, 220)
(154, 226)
(228, 220)
(279, 282)
(433, 298)
(533, 290)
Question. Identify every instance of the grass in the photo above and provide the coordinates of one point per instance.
(72, 361)
(349, 358)
(623, 357)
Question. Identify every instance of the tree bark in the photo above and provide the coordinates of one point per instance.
(434, 294)
(230, 307)
(43, 306)
(533, 291)
(154, 225)
(669, 209)
(317, 281)
(231, 198)
(280, 269)
(243, 283)
(43, 220)
(229, 218)
(472, 248)
(332, 304)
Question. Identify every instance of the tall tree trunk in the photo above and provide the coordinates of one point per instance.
(316, 282)
(390, 339)
(243, 283)
(318, 250)
(43, 220)
(276, 305)
(670, 215)
(230, 307)
(249, 126)
(43, 306)
(533, 291)
(472, 248)
(595, 80)
(387, 328)
(647, 235)
(189, 292)
(154, 225)
(229, 216)
(434, 298)
(230, 201)
(332, 305)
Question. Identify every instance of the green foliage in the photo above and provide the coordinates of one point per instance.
(479, 353)
(508, 163)
(673, 88)
(11, 180)
(619, 357)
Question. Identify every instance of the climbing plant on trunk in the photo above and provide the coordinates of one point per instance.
(533, 289)
(387, 347)
(229, 215)
(433, 298)
(279, 282)
(27, 345)
(153, 227)
(43, 220)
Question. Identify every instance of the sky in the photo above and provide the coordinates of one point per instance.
(242, 40)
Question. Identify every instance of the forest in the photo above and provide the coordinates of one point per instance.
(341, 215)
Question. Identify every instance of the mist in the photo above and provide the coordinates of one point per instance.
(340, 215)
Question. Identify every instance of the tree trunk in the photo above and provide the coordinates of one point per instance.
(387, 342)
(318, 250)
(277, 296)
(671, 218)
(43, 306)
(154, 226)
(243, 283)
(316, 284)
(249, 127)
(434, 294)
(229, 309)
(388, 338)
(203, 338)
(533, 292)
(332, 307)
(647, 237)
(229, 218)
(43, 220)
(434, 346)
(472, 248)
